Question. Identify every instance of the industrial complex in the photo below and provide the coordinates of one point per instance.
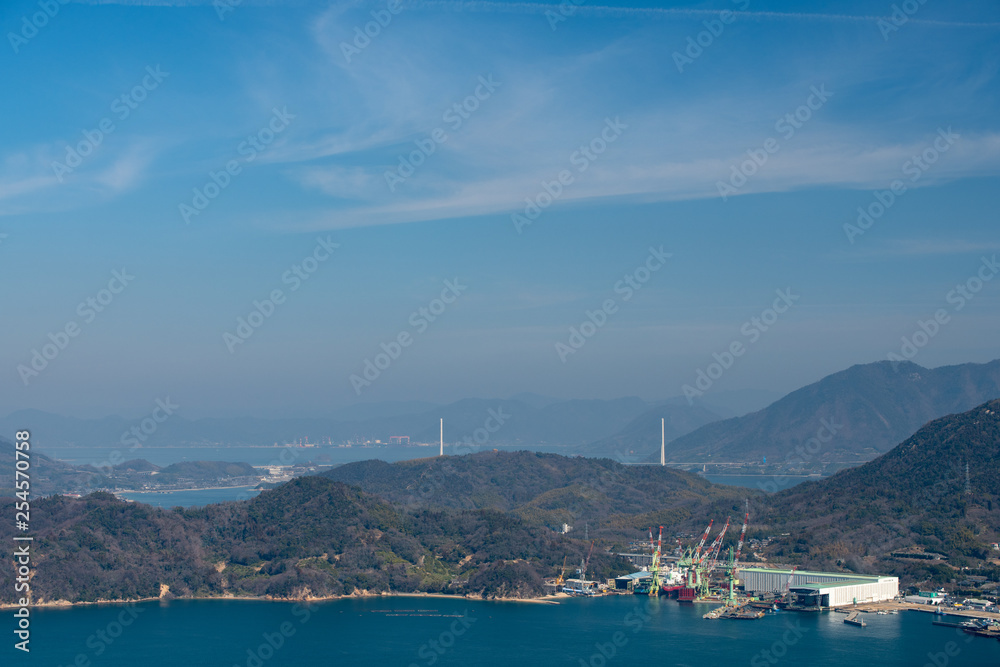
(820, 589)
(701, 573)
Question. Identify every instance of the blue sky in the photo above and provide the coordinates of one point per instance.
(888, 93)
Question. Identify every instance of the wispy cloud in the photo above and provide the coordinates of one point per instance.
(190, 3)
(29, 183)
(672, 12)
(484, 6)
(635, 173)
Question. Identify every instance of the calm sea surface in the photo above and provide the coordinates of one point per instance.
(196, 498)
(437, 631)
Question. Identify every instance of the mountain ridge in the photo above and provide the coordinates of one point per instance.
(872, 406)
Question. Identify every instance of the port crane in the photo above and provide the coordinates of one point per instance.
(654, 567)
(711, 556)
(733, 566)
(697, 551)
(560, 579)
(699, 562)
(708, 561)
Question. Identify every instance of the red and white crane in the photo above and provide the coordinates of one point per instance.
(712, 555)
(704, 537)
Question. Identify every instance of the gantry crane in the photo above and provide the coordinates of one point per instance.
(654, 568)
(733, 567)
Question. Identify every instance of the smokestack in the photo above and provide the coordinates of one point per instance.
(663, 442)
(442, 437)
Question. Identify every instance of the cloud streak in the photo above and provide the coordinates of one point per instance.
(485, 6)
(671, 12)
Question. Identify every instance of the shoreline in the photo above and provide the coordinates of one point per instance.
(57, 604)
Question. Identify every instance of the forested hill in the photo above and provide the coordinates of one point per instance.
(309, 537)
(47, 475)
(546, 488)
(915, 496)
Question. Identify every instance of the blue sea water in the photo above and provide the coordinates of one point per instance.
(426, 631)
(194, 498)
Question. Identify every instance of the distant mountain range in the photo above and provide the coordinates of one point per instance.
(528, 420)
(51, 476)
(852, 415)
(844, 419)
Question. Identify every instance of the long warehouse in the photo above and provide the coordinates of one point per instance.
(823, 589)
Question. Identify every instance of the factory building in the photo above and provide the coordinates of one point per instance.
(821, 589)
